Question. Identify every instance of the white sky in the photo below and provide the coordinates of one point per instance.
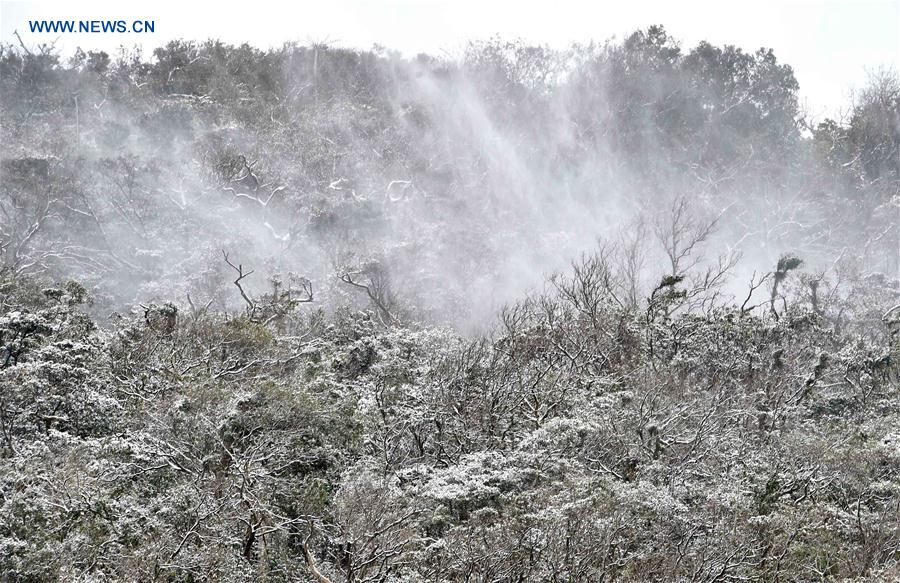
(830, 43)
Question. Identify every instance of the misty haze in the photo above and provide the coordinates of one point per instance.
(624, 311)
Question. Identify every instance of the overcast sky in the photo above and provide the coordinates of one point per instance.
(831, 44)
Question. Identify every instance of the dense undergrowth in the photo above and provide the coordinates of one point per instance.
(582, 441)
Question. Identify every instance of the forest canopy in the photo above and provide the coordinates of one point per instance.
(620, 312)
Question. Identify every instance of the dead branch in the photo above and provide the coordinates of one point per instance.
(375, 296)
(311, 563)
(16, 32)
(239, 269)
(754, 285)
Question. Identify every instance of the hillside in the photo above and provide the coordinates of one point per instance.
(615, 313)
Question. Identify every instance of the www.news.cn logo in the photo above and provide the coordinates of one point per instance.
(95, 26)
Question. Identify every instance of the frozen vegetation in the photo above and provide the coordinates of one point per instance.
(621, 313)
